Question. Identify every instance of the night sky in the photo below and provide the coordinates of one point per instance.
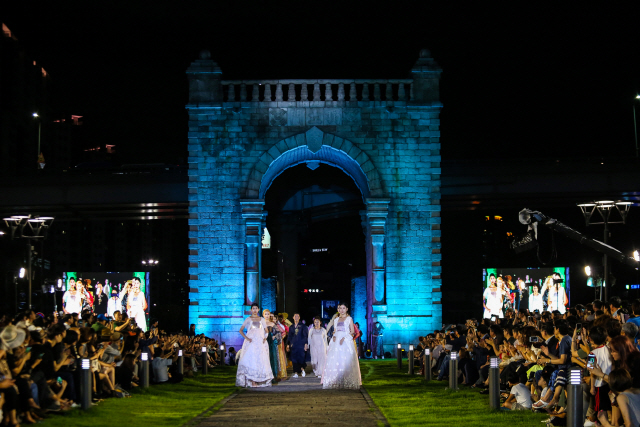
(544, 80)
(547, 80)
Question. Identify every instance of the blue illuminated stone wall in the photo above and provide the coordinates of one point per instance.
(358, 309)
(268, 294)
(237, 129)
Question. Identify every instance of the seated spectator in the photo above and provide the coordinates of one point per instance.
(100, 324)
(520, 396)
(126, 373)
(161, 362)
(627, 399)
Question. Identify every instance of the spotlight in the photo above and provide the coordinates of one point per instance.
(587, 270)
(636, 256)
(22, 272)
(59, 283)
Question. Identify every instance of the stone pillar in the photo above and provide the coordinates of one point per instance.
(205, 84)
(377, 211)
(253, 216)
(426, 80)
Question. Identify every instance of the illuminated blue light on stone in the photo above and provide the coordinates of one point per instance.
(387, 140)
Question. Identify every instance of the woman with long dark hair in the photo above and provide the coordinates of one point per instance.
(254, 367)
(342, 369)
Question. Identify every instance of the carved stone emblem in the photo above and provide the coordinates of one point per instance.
(295, 116)
(333, 116)
(277, 116)
(351, 115)
(314, 139)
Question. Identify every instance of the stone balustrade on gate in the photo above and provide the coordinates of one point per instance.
(317, 90)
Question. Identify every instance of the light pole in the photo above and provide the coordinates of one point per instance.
(36, 116)
(604, 208)
(635, 125)
(38, 227)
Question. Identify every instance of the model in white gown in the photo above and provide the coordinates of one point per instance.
(342, 369)
(137, 304)
(317, 347)
(493, 302)
(254, 367)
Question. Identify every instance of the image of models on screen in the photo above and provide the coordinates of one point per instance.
(114, 295)
(533, 289)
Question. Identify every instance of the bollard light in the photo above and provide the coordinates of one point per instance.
(453, 371)
(180, 362)
(221, 354)
(427, 364)
(494, 383)
(85, 384)
(411, 360)
(205, 364)
(144, 365)
(575, 406)
(576, 377)
(399, 355)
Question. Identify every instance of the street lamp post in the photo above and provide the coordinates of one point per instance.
(36, 116)
(38, 227)
(635, 125)
(604, 208)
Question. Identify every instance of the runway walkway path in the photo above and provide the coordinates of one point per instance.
(295, 402)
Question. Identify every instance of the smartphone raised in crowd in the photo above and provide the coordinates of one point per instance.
(591, 361)
(534, 339)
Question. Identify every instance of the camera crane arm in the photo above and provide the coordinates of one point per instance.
(531, 218)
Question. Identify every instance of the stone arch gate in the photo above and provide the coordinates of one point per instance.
(384, 134)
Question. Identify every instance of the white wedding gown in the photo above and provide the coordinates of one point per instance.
(318, 349)
(254, 368)
(342, 369)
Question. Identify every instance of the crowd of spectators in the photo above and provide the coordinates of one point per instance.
(536, 352)
(40, 360)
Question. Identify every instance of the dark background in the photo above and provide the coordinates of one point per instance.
(537, 80)
(550, 81)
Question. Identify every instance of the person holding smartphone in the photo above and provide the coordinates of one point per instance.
(601, 359)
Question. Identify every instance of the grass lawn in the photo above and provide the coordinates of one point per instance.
(411, 401)
(157, 406)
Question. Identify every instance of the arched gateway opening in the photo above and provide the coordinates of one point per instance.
(315, 154)
(302, 204)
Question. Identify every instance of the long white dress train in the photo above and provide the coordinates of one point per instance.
(318, 348)
(342, 369)
(254, 368)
